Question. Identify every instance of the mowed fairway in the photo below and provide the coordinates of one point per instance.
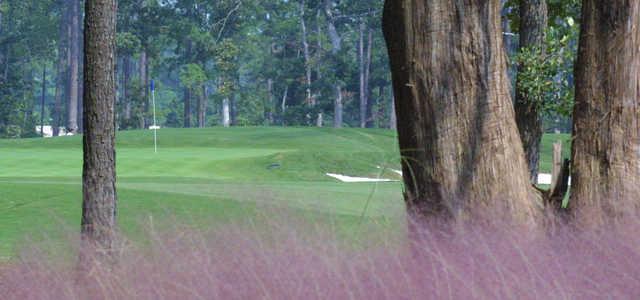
(204, 177)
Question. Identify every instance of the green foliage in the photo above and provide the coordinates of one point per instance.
(226, 63)
(545, 75)
(192, 76)
(127, 43)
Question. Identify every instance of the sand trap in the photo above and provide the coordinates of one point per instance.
(344, 178)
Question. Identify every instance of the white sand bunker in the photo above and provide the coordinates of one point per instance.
(345, 178)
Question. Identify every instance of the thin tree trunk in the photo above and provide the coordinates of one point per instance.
(270, 104)
(606, 130)
(72, 104)
(99, 172)
(363, 97)
(62, 66)
(533, 23)
(126, 74)
(337, 113)
(367, 76)
(226, 114)
(462, 156)
(336, 44)
(319, 46)
(202, 108)
(284, 105)
(187, 107)
(144, 81)
(80, 43)
(393, 120)
(307, 57)
(42, 99)
(233, 110)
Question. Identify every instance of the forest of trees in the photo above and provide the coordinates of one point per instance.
(236, 63)
(295, 63)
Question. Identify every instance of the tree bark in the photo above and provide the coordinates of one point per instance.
(533, 23)
(72, 104)
(462, 156)
(606, 130)
(98, 171)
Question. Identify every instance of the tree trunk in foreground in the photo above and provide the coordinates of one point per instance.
(606, 131)
(98, 171)
(461, 151)
(533, 23)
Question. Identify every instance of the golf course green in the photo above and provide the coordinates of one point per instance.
(206, 176)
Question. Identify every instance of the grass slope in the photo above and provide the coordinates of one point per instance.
(203, 176)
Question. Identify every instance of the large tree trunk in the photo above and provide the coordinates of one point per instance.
(98, 171)
(462, 155)
(533, 23)
(606, 130)
(72, 104)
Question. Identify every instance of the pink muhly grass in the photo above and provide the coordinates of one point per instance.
(291, 260)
